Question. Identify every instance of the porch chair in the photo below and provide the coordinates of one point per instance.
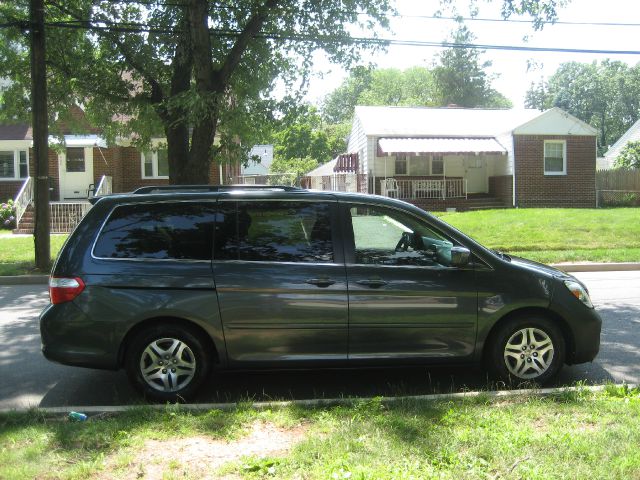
(389, 186)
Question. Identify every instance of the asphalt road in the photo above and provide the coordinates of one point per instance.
(27, 379)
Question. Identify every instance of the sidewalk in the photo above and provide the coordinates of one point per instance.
(565, 267)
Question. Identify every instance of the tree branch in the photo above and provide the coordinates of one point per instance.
(249, 31)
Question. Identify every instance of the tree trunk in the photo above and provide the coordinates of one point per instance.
(40, 137)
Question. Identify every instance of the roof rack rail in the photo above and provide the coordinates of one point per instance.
(210, 188)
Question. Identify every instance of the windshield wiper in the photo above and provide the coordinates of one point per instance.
(502, 255)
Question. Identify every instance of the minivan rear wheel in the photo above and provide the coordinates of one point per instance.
(527, 349)
(167, 362)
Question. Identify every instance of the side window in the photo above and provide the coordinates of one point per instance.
(181, 231)
(274, 232)
(384, 236)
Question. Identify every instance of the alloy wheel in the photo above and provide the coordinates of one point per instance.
(528, 353)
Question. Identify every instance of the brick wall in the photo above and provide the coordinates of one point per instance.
(575, 189)
(501, 187)
(9, 190)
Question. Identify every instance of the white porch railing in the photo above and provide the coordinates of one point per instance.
(23, 199)
(105, 187)
(64, 216)
(422, 189)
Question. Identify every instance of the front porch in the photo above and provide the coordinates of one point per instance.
(63, 216)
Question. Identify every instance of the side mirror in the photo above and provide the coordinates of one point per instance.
(460, 256)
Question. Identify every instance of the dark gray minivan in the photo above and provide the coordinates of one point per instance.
(173, 284)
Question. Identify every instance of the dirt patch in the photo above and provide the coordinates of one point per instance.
(200, 457)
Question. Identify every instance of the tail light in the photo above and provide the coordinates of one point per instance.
(64, 289)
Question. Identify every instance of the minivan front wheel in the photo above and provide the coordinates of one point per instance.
(529, 348)
(167, 362)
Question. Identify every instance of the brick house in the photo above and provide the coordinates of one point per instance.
(469, 158)
(78, 168)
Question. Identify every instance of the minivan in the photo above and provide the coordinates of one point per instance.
(173, 283)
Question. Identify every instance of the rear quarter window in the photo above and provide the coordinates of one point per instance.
(160, 231)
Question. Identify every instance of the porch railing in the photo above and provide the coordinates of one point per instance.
(290, 179)
(423, 189)
(64, 216)
(105, 187)
(23, 199)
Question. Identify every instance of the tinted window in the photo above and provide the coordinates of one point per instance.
(158, 231)
(384, 236)
(274, 231)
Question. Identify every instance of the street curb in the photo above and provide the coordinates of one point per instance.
(597, 267)
(565, 267)
(24, 280)
(329, 402)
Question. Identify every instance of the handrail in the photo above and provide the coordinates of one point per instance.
(23, 199)
(105, 187)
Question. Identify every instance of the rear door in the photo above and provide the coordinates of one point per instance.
(281, 282)
(405, 301)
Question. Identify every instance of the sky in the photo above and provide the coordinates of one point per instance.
(513, 70)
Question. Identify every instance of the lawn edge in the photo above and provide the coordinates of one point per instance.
(321, 402)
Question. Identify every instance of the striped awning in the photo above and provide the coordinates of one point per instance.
(440, 145)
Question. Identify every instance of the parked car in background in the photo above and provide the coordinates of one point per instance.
(171, 283)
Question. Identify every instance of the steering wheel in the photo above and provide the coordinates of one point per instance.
(405, 242)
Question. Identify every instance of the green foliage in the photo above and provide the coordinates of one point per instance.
(461, 79)
(297, 166)
(167, 71)
(629, 156)
(7, 215)
(606, 95)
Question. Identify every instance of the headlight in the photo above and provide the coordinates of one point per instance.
(579, 292)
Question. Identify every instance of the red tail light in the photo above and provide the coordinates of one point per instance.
(63, 289)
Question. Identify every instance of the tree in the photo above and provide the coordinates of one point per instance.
(461, 79)
(629, 156)
(306, 136)
(604, 94)
(190, 70)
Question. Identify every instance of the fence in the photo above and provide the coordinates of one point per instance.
(618, 187)
(290, 179)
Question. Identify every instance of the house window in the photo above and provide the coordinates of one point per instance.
(419, 165)
(555, 157)
(437, 165)
(401, 165)
(13, 164)
(155, 164)
(75, 160)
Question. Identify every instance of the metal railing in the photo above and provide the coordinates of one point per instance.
(23, 199)
(64, 216)
(423, 189)
(105, 187)
(339, 182)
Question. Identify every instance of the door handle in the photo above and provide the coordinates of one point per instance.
(320, 282)
(373, 283)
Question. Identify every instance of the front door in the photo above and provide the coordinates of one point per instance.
(76, 172)
(405, 301)
(281, 283)
(476, 174)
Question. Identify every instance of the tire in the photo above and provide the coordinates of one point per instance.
(178, 348)
(527, 349)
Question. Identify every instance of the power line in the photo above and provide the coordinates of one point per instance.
(141, 28)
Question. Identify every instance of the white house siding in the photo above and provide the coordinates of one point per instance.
(358, 144)
(506, 140)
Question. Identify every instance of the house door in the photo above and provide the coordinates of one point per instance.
(76, 172)
(476, 174)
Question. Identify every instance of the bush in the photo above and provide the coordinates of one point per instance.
(8, 215)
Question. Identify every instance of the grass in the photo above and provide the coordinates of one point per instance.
(570, 435)
(548, 235)
(553, 235)
(17, 253)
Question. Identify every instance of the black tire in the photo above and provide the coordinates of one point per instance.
(185, 357)
(531, 365)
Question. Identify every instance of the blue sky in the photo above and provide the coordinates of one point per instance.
(512, 67)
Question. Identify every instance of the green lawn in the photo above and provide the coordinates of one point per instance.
(554, 235)
(17, 253)
(573, 435)
(549, 235)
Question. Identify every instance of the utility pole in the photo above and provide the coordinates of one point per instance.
(40, 136)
